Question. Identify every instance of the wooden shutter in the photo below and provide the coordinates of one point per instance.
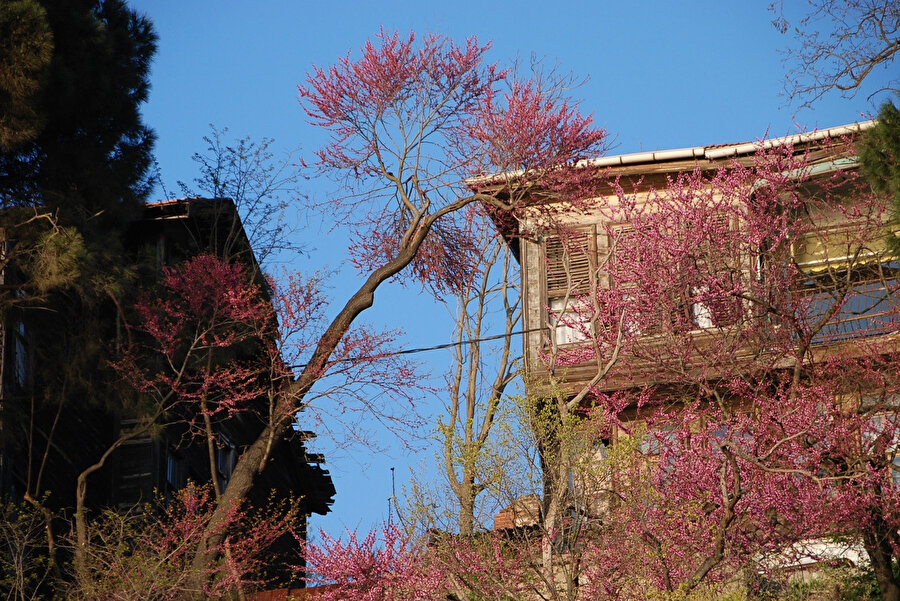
(711, 263)
(571, 262)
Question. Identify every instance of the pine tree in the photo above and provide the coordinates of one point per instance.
(26, 46)
(879, 154)
(68, 193)
(93, 152)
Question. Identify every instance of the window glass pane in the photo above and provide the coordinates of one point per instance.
(569, 326)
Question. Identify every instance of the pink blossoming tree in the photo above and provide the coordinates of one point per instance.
(411, 120)
(739, 412)
(740, 324)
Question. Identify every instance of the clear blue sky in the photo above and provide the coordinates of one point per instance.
(662, 74)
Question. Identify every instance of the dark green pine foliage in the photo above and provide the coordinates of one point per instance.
(88, 166)
(26, 46)
(93, 152)
(67, 196)
(879, 156)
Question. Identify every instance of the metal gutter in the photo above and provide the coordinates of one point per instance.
(656, 156)
(720, 152)
(749, 147)
(711, 153)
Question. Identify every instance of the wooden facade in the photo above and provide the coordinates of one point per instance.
(556, 274)
(165, 460)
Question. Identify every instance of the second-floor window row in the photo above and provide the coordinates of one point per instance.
(605, 262)
(704, 288)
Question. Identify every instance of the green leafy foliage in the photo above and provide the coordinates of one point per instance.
(27, 566)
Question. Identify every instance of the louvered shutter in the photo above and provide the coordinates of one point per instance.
(713, 265)
(571, 262)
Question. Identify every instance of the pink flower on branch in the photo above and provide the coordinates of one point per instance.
(206, 335)
(222, 351)
(747, 314)
(399, 115)
(412, 120)
(376, 568)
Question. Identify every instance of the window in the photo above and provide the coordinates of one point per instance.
(711, 301)
(639, 320)
(590, 480)
(175, 471)
(713, 273)
(567, 320)
(851, 278)
(880, 434)
(699, 295)
(20, 355)
(571, 262)
(693, 290)
(841, 248)
(654, 443)
(571, 259)
(226, 458)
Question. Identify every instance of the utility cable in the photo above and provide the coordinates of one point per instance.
(423, 349)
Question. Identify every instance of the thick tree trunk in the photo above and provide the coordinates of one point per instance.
(248, 467)
(467, 505)
(254, 458)
(881, 555)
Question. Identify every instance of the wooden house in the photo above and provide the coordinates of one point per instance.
(568, 254)
(55, 442)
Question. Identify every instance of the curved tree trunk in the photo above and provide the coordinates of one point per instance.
(82, 536)
(253, 460)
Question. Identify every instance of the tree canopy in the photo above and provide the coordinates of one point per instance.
(879, 154)
(89, 150)
(26, 45)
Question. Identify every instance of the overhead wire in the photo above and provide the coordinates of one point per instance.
(424, 349)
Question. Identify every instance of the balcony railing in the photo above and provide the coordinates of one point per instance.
(865, 309)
